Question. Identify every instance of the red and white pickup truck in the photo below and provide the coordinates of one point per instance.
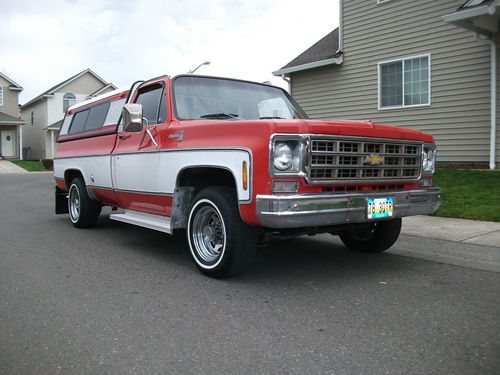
(234, 163)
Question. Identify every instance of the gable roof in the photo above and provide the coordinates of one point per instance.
(474, 3)
(102, 89)
(323, 52)
(50, 92)
(13, 86)
(479, 16)
(7, 119)
(55, 126)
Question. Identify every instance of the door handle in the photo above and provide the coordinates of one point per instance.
(179, 136)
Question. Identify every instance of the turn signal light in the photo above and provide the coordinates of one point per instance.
(244, 172)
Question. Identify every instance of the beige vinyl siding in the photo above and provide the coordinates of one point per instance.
(33, 135)
(10, 99)
(459, 114)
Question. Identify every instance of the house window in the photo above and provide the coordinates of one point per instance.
(404, 83)
(1, 95)
(69, 99)
(32, 117)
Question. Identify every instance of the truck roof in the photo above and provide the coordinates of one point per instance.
(96, 99)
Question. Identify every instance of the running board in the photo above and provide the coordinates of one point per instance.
(141, 219)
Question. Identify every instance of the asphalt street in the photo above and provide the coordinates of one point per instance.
(120, 299)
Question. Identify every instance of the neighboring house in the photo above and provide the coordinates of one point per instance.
(44, 114)
(429, 65)
(10, 121)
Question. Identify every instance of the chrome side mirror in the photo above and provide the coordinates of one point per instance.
(132, 117)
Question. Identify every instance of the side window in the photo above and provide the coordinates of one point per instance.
(65, 125)
(96, 117)
(1, 95)
(115, 110)
(150, 98)
(162, 115)
(79, 120)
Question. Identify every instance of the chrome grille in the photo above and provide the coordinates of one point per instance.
(363, 159)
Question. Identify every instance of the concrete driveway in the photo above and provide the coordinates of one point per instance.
(8, 167)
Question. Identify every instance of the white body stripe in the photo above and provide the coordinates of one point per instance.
(171, 163)
(136, 172)
(96, 166)
(155, 172)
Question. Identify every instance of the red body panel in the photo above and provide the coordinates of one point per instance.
(102, 145)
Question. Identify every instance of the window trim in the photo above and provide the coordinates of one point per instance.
(1, 95)
(403, 106)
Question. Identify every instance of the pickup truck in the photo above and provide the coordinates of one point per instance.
(237, 163)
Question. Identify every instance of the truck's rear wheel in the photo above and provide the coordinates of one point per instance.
(373, 238)
(221, 244)
(83, 211)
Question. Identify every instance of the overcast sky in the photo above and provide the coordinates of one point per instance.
(45, 42)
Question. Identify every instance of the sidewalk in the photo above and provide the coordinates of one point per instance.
(484, 233)
(8, 167)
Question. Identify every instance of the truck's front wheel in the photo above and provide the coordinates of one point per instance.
(221, 243)
(374, 237)
(83, 211)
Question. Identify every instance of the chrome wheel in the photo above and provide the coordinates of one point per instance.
(74, 203)
(220, 243)
(208, 233)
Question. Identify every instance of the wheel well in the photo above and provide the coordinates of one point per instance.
(200, 178)
(70, 174)
(189, 183)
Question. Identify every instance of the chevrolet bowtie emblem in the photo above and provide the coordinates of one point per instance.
(374, 159)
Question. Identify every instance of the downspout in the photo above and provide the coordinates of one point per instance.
(20, 138)
(52, 144)
(341, 26)
(493, 82)
(287, 80)
(493, 94)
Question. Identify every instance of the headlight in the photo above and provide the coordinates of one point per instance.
(429, 158)
(287, 155)
(283, 157)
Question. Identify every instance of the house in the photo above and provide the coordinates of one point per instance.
(429, 65)
(44, 114)
(10, 121)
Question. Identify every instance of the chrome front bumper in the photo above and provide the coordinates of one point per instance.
(311, 210)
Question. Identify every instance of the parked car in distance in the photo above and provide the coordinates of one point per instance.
(235, 162)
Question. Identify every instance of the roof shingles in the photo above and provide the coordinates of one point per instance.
(325, 48)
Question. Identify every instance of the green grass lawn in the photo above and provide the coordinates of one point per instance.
(29, 165)
(469, 194)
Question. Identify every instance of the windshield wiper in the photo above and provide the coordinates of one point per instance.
(220, 115)
(272, 118)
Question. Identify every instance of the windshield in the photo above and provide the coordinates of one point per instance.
(214, 98)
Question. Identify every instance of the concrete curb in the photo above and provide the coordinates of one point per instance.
(484, 233)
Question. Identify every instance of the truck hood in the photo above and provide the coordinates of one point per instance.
(350, 128)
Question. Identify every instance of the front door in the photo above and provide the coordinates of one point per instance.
(136, 158)
(8, 143)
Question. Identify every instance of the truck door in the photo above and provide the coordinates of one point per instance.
(136, 159)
